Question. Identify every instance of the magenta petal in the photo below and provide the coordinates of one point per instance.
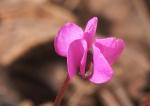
(68, 33)
(90, 30)
(76, 56)
(102, 71)
(111, 48)
(83, 60)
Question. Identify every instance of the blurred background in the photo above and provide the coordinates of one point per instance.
(31, 73)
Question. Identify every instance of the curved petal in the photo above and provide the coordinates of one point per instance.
(102, 71)
(90, 30)
(68, 33)
(76, 56)
(111, 48)
(83, 60)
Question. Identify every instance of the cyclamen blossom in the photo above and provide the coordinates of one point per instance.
(75, 44)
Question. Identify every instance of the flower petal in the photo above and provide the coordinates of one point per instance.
(90, 30)
(68, 33)
(83, 60)
(102, 71)
(111, 48)
(76, 57)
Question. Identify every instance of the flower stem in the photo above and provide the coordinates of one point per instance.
(61, 92)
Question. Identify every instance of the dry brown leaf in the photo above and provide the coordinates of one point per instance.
(26, 26)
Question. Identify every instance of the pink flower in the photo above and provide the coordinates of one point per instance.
(75, 44)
